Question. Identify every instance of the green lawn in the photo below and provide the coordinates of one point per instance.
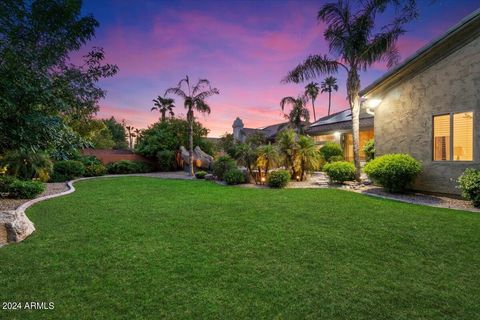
(148, 248)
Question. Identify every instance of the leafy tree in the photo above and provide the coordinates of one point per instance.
(311, 91)
(299, 113)
(246, 155)
(329, 85)
(194, 100)
(170, 135)
(355, 43)
(256, 139)
(39, 86)
(164, 105)
(117, 129)
(227, 144)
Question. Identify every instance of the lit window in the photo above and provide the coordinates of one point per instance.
(441, 138)
(453, 137)
(463, 136)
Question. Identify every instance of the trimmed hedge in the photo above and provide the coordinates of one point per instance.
(469, 183)
(340, 171)
(166, 160)
(11, 187)
(67, 170)
(234, 176)
(222, 165)
(200, 174)
(127, 166)
(278, 179)
(394, 172)
(331, 149)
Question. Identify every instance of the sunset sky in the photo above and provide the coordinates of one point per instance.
(243, 47)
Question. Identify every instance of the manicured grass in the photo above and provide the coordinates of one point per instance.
(141, 247)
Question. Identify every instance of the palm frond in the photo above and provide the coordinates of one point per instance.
(202, 106)
(176, 91)
(311, 68)
(208, 93)
(286, 101)
(382, 48)
(202, 85)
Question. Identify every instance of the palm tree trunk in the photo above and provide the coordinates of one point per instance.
(163, 115)
(190, 151)
(313, 107)
(353, 89)
(329, 101)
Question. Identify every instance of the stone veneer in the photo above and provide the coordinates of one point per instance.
(403, 121)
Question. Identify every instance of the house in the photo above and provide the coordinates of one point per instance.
(240, 133)
(337, 128)
(429, 107)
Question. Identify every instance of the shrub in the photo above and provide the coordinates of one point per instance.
(394, 172)
(337, 158)
(127, 166)
(88, 160)
(331, 149)
(27, 165)
(222, 165)
(340, 171)
(166, 160)
(95, 170)
(25, 189)
(200, 174)
(469, 183)
(5, 183)
(234, 176)
(369, 150)
(278, 179)
(67, 170)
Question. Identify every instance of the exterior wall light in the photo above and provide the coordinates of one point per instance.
(371, 105)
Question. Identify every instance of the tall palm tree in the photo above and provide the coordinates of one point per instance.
(299, 113)
(308, 157)
(328, 85)
(311, 91)
(193, 100)
(355, 44)
(163, 104)
(130, 135)
(137, 133)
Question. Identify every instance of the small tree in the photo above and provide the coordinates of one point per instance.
(194, 100)
(308, 157)
(267, 158)
(299, 114)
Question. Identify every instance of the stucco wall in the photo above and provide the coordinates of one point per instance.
(403, 121)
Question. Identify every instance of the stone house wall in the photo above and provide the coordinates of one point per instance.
(403, 121)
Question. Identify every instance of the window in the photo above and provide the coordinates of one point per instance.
(324, 138)
(453, 137)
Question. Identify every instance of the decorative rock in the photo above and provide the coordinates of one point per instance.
(14, 226)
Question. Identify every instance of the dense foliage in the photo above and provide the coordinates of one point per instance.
(11, 187)
(166, 160)
(27, 165)
(234, 176)
(127, 167)
(65, 170)
(469, 183)
(394, 172)
(369, 150)
(200, 174)
(340, 171)
(170, 135)
(330, 150)
(222, 165)
(278, 179)
(41, 90)
(117, 130)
